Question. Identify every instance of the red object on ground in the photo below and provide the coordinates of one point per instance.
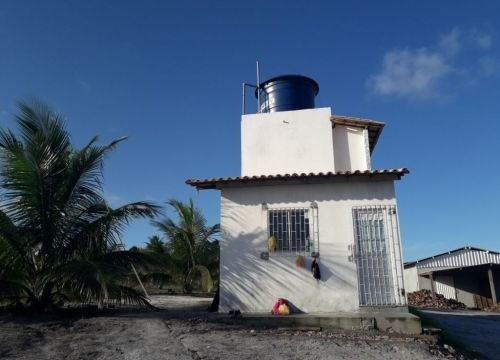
(277, 305)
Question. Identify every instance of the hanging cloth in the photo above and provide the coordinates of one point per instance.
(315, 270)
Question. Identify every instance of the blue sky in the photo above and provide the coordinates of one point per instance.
(168, 74)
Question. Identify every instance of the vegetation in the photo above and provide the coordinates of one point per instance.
(156, 245)
(161, 271)
(59, 239)
(191, 246)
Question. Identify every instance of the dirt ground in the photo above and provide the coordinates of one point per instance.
(184, 330)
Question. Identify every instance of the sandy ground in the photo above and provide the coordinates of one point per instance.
(183, 330)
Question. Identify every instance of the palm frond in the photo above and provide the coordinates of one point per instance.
(13, 292)
(189, 239)
(98, 281)
(58, 236)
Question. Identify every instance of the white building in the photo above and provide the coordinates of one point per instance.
(307, 189)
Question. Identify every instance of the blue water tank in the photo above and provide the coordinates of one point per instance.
(287, 92)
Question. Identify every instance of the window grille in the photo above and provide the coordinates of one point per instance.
(294, 230)
(378, 256)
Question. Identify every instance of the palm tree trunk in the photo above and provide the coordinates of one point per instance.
(139, 280)
(42, 302)
(191, 255)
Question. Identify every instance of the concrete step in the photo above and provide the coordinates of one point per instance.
(399, 323)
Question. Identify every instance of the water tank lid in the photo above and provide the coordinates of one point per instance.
(313, 83)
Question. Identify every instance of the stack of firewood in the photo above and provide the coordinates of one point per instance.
(493, 308)
(424, 298)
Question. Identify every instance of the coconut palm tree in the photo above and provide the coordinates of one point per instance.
(163, 268)
(191, 241)
(59, 239)
(156, 245)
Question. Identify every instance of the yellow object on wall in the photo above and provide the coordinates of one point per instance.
(271, 244)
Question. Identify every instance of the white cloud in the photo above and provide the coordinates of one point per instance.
(425, 72)
(481, 40)
(410, 72)
(450, 43)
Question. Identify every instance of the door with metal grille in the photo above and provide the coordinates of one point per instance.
(378, 256)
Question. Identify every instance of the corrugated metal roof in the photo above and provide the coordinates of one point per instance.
(374, 127)
(340, 176)
(462, 257)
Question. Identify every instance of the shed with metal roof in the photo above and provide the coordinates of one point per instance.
(468, 274)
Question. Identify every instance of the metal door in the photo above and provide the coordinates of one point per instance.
(378, 256)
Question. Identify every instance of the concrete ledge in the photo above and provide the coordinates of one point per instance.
(399, 323)
(402, 323)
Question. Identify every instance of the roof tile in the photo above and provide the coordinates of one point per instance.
(215, 183)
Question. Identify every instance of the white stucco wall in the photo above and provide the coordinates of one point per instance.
(287, 142)
(411, 279)
(445, 286)
(251, 284)
(350, 147)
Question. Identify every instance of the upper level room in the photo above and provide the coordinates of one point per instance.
(306, 141)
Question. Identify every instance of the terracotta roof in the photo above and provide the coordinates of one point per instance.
(315, 178)
(374, 127)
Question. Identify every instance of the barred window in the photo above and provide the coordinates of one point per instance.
(290, 229)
